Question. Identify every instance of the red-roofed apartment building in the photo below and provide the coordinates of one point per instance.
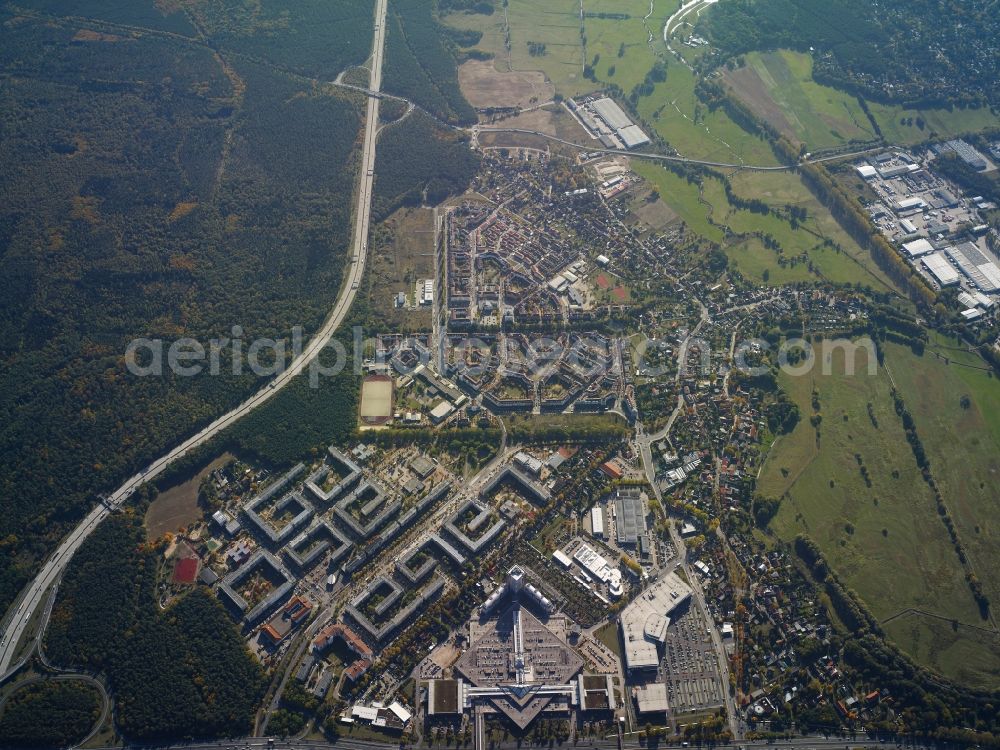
(290, 617)
(613, 468)
(357, 669)
(330, 633)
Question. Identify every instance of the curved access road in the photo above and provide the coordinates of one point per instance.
(34, 595)
(636, 154)
(818, 742)
(475, 130)
(674, 22)
(71, 677)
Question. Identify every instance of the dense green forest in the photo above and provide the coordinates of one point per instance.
(181, 673)
(153, 188)
(55, 713)
(914, 51)
(160, 187)
(302, 418)
(317, 38)
(417, 161)
(137, 14)
(420, 65)
(101, 593)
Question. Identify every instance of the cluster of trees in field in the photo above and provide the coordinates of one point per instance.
(54, 713)
(764, 509)
(889, 324)
(782, 414)
(420, 65)
(464, 38)
(657, 74)
(177, 674)
(419, 162)
(484, 7)
(148, 195)
(921, 52)
(971, 181)
(537, 49)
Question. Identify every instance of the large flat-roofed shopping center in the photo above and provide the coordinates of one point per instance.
(518, 663)
(645, 620)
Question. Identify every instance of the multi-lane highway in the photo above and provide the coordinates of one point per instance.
(21, 612)
(610, 743)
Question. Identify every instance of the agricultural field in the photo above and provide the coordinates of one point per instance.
(938, 123)
(852, 485)
(962, 440)
(677, 114)
(485, 86)
(624, 30)
(779, 88)
(805, 254)
(556, 25)
(547, 39)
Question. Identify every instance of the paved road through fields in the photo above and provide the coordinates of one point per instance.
(21, 613)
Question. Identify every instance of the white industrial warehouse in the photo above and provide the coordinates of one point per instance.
(609, 123)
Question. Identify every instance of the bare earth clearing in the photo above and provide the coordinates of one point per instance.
(484, 86)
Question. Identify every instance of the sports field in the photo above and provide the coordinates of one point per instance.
(376, 399)
(885, 540)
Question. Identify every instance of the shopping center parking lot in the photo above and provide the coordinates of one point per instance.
(689, 665)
